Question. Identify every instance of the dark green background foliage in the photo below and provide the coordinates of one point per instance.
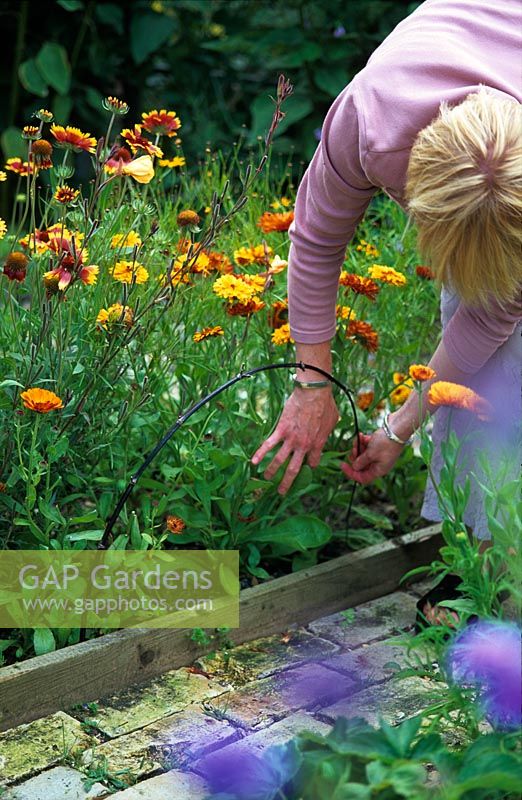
(214, 62)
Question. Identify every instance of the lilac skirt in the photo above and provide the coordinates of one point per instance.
(499, 380)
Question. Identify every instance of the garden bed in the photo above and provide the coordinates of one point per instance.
(43, 685)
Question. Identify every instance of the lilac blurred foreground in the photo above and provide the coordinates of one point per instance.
(488, 655)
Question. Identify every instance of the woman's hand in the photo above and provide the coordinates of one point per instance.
(378, 456)
(307, 420)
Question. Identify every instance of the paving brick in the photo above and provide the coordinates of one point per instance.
(139, 706)
(262, 657)
(377, 619)
(172, 785)
(33, 747)
(394, 701)
(369, 663)
(59, 783)
(172, 743)
(260, 703)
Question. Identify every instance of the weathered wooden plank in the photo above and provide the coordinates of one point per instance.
(89, 670)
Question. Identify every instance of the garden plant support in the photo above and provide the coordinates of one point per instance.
(192, 410)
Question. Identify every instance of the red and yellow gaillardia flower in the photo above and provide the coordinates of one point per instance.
(281, 335)
(400, 394)
(73, 138)
(359, 284)
(66, 274)
(117, 158)
(65, 195)
(379, 272)
(364, 334)
(18, 166)
(41, 400)
(445, 393)
(270, 222)
(420, 372)
(41, 152)
(161, 123)
(137, 141)
(15, 266)
(129, 272)
(207, 333)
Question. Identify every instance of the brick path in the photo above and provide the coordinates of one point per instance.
(160, 737)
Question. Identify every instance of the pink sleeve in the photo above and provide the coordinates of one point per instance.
(331, 200)
(473, 334)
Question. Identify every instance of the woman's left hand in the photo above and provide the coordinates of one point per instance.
(378, 456)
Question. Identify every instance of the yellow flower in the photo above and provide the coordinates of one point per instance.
(379, 272)
(419, 372)
(129, 239)
(113, 315)
(206, 333)
(368, 249)
(233, 287)
(141, 169)
(399, 395)
(344, 312)
(129, 271)
(172, 163)
(3, 176)
(3, 228)
(281, 335)
(199, 264)
(399, 377)
(41, 400)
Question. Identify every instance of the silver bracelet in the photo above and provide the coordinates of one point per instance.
(391, 435)
(311, 384)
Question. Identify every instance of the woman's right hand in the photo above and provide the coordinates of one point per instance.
(308, 418)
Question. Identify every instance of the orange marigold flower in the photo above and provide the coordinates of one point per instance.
(425, 273)
(73, 138)
(365, 400)
(115, 315)
(269, 222)
(206, 333)
(64, 194)
(18, 166)
(175, 524)
(359, 285)
(161, 123)
(419, 372)
(188, 218)
(245, 309)
(279, 314)
(444, 393)
(137, 142)
(281, 335)
(364, 334)
(219, 262)
(379, 272)
(15, 267)
(41, 400)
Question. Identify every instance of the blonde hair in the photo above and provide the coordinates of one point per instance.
(464, 191)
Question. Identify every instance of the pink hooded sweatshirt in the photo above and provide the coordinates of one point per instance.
(443, 51)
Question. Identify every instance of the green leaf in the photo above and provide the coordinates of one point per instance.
(58, 449)
(295, 108)
(32, 79)
(87, 536)
(10, 383)
(110, 14)
(61, 107)
(43, 641)
(70, 5)
(331, 80)
(293, 534)
(13, 145)
(53, 63)
(148, 32)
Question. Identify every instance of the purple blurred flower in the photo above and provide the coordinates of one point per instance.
(487, 655)
(339, 31)
(243, 773)
(317, 134)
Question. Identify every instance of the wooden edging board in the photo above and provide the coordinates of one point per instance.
(91, 670)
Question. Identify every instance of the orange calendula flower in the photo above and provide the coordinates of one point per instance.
(401, 393)
(425, 273)
(281, 335)
(73, 138)
(161, 123)
(65, 195)
(269, 222)
(18, 166)
(219, 262)
(41, 400)
(365, 400)
(188, 218)
(419, 372)
(172, 163)
(129, 239)
(387, 275)
(136, 141)
(129, 272)
(115, 315)
(141, 169)
(175, 524)
(444, 393)
(359, 284)
(15, 266)
(207, 333)
(364, 334)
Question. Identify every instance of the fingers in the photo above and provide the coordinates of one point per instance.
(291, 471)
(267, 445)
(277, 460)
(363, 478)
